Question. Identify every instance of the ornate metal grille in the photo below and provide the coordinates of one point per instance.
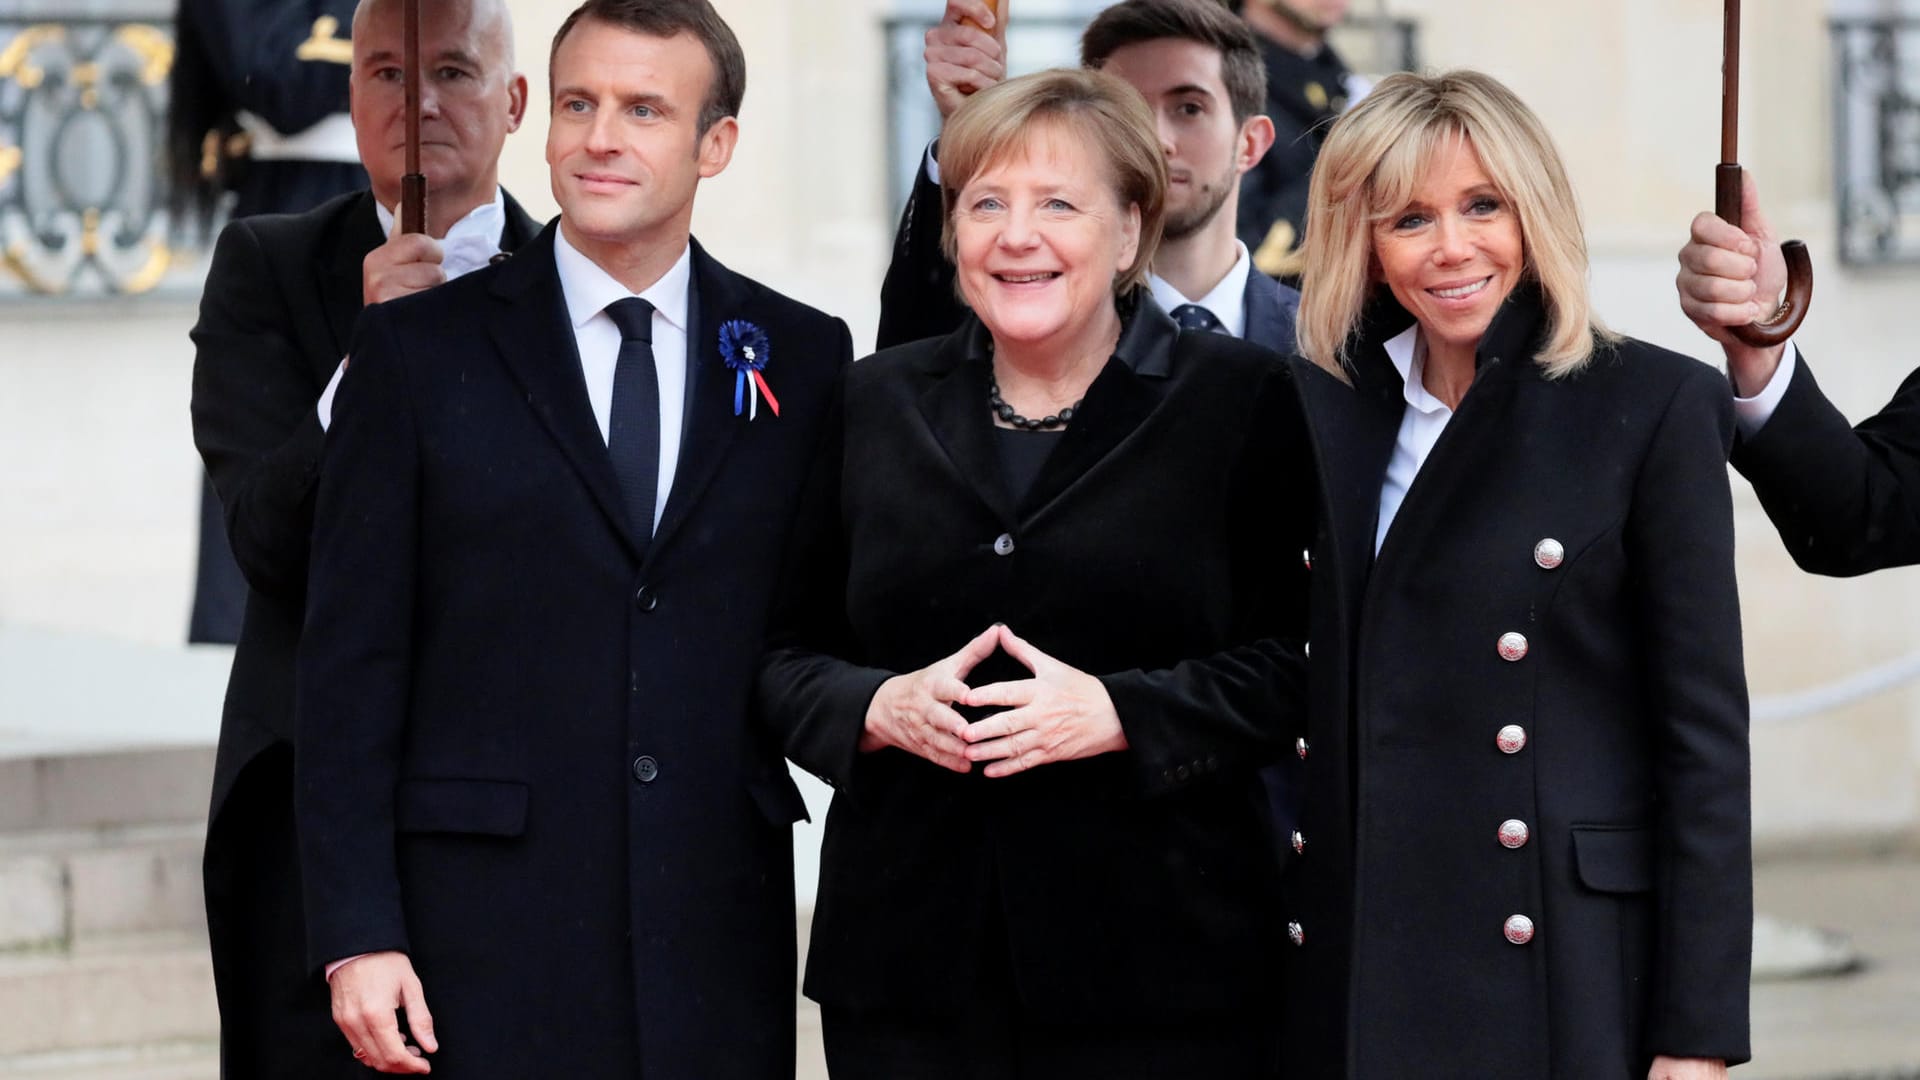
(1876, 105)
(83, 101)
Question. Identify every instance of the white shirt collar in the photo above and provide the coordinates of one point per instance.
(1227, 301)
(1409, 355)
(471, 242)
(589, 289)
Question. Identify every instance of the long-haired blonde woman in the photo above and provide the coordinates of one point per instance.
(1524, 851)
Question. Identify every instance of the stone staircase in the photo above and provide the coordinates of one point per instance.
(103, 961)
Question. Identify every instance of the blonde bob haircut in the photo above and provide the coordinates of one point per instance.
(1001, 122)
(1373, 160)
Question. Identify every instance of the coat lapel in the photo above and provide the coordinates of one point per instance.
(536, 341)
(955, 409)
(339, 273)
(1122, 397)
(1363, 421)
(717, 295)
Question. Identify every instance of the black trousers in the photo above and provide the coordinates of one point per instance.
(276, 1019)
(865, 1046)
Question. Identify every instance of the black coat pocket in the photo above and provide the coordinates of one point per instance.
(1614, 858)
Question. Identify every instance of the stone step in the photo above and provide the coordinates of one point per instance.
(160, 1061)
(139, 990)
(61, 888)
(92, 789)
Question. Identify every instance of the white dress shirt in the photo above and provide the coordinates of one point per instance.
(1227, 301)
(1750, 414)
(1420, 427)
(588, 290)
(471, 243)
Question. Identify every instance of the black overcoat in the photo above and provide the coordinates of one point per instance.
(1630, 698)
(1846, 500)
(526, 757)
(1131, 887)
(282, 295)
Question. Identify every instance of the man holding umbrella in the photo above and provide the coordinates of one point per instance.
(282, 298)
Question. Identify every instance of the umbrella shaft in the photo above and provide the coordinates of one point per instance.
(1730, 86)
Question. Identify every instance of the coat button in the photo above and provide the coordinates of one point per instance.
(1513, 834)
(1299, 843)
(645, 768)
(1519, 929)
(1513, 646)
(645, 599)
(1511, 739)
(1300, 748)
(1296, 933)
(1549, 553)
(1003, 544)
(1306, 558)
(1182, 773)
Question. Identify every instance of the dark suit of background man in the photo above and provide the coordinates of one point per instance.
(550, 518)
(1199, 70)
(1846, 500)
(258, 111)
(1308, 87)
(281, 300)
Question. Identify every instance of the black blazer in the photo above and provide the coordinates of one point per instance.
(1633, 779)
(1137, 884)
(525, 753)
(917, 298)
(282, 296)
(1845, 499)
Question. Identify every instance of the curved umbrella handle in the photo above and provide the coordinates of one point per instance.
(1799, 296)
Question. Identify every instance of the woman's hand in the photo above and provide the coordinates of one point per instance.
(914, 712)
(1061, 714)
(1668, 1068)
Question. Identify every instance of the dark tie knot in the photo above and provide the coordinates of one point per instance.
(1195, 317)
(634, 317)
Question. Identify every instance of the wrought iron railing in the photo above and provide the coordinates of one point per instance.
(83, 99)
(1876, 123)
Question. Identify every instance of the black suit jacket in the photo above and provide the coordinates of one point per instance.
(1845, 499)
(1139, 884)
(1633, 780)
(282, 296)
(525, 757)
(917, 298)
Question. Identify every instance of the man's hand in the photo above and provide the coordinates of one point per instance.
(365, 994)
(1730, 278)
(406, 263)
(964, 59)
(1061, 714)
(915, 712)
(1668, 1068)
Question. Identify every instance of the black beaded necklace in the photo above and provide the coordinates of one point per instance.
(1005, 411)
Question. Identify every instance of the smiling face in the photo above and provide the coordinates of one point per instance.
(625, 148)
(1453, 254)
(1206, 149)
(470, 99)
(1039, 238)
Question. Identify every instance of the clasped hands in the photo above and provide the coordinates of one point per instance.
(1060, 714)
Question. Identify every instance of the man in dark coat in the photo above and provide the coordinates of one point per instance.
(1200, 71)
(257, 110)
(1308, 87)
(276, 320)
(533, 812)
(1845, 499)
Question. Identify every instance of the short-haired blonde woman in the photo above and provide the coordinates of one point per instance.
(1524, 846)
(1062, 523)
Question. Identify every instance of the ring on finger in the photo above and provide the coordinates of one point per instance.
(359, 1052)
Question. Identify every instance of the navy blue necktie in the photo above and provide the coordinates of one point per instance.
(633, 427)
(1195, 317)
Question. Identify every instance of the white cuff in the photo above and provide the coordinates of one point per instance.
(1750, 414)
(338, 964)
(933, 163)
(326, 396)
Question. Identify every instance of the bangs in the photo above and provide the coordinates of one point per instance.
(1409, 160)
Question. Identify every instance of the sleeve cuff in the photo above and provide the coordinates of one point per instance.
(932, 163)
(325, 407)
(338, 964)
(1752, 413)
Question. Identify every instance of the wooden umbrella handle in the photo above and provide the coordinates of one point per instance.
(999, 30)
(1799, 296)
(413, 186)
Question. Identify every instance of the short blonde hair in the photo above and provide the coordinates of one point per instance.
(1376, 156)
(1102, 111)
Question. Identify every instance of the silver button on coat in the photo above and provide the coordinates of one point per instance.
(1299, 842)
(1549, 553)
(1300, 748)
(1513, 646)
(1003, 544)
(1519, 929)
(1296, 933)
(1513, 833)
(1511, 739)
